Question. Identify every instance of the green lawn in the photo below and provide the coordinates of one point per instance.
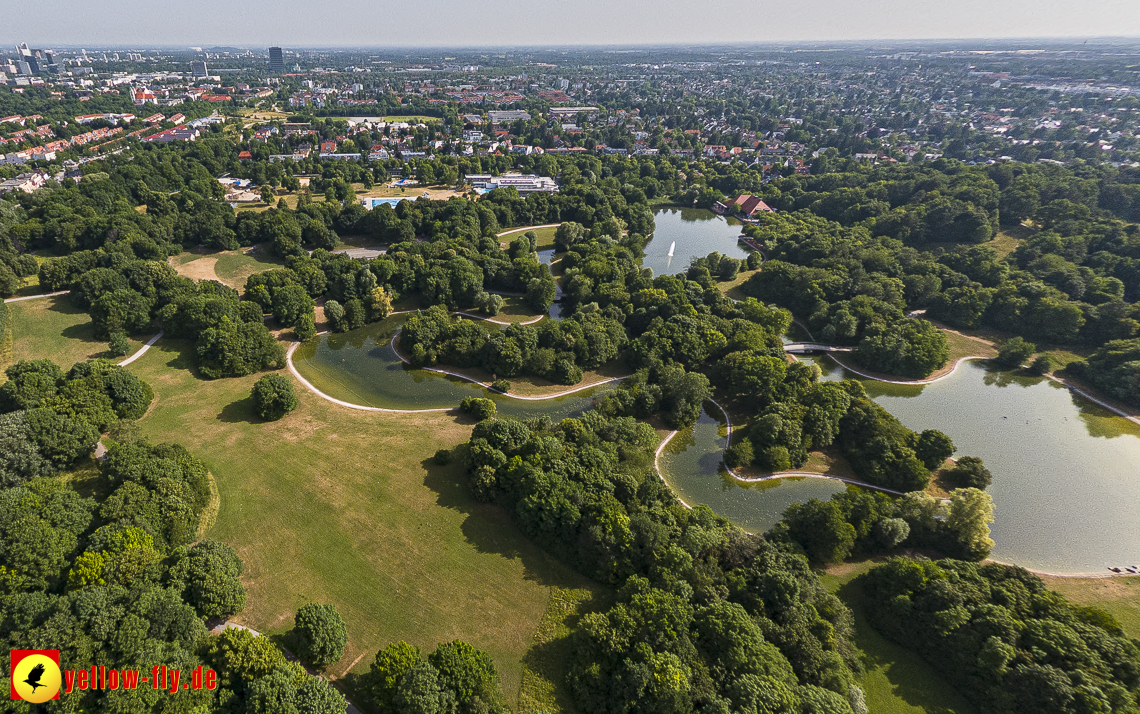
(545, 236)
(231, 267)
(898, 681)
(53, 328)
(340, 506)
(1119, 597)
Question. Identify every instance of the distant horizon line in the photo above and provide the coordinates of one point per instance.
(863, 42)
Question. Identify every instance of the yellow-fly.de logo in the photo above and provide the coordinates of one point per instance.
(35, 675)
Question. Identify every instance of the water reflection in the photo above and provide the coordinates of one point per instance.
(692, 464)
(1066, 471)
(361, 367)
(697, 233)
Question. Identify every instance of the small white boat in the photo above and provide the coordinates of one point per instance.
(672, 247)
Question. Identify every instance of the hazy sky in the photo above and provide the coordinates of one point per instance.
(296, 23)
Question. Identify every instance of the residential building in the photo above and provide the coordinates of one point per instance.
(748, 205)
(277, 158)
(28, 183)
(500, 117)
(556, 112)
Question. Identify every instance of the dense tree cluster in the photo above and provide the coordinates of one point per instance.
(707, 616)
(49, 419)
(864, 523)
(127, 291)
(1114, 368)
(255, 676)
(456, 677)
(556, 350)
(1003, 639)
(855, 251)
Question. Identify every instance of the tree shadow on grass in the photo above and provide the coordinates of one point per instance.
(489, 527)
(910, 677)
(354, 686)
(243, 410)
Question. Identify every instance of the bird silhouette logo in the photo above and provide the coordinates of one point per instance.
(35, 675)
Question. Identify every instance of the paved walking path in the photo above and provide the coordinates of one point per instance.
(308, 385)
(36, 297)
(141, 352)
(525, 229)
(801, 347)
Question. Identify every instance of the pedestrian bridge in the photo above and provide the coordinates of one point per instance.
(802, 347)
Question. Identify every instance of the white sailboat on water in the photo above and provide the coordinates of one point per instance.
(672, 247)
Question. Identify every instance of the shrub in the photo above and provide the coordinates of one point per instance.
(501, 385)
(273, 397)
(118, 344)
(775, 458)
(479, 408)
(1042, 364)
(443, 457)
(891, 531)
(1015, 351)
(306, 328)
(970, 472)
(321, 633)
(739, 454)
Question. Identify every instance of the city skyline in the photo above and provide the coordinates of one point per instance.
(591, 22)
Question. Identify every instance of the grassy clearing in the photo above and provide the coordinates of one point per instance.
(545, 236)
(897, 680)
(965, 346)
(339, 506)
(53, 328)
(1119, 597)
(514, 309)
(439, 193)
(731, 288)
(1007, 241)
(230, 267)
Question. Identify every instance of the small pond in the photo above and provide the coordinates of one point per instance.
(361, 367)
(697, 233)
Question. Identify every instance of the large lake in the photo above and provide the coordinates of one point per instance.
(1066, 472)
(697, 233)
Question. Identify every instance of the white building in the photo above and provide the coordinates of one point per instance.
(524, 184)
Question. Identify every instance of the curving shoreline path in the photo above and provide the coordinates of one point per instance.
(958, 362)
(309, 385)
(487, 385)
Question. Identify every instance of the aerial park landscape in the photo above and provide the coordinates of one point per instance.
(786, 381)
